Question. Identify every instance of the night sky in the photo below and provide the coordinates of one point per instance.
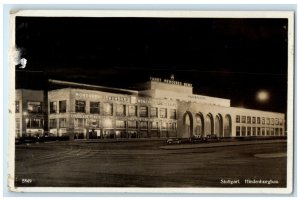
(227, 58)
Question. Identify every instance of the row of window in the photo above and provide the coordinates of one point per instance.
(258, 120)
(32, 107)
(108, 123)
(257, 131)
(107, 109)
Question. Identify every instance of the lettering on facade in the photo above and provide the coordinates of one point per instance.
(98, 97)
(85, 116)
(171, 81)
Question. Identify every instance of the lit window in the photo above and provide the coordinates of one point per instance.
(143, 111)
(268, 121)
(172, 114)
(144, 125)
(107, 123)
(17, 109)
(121, 110)
(276, 121)
(132, 110)
(154, 125)
(34, 107)
(237, 119)
(263, 120)
(163, 113)
(272, 121)
(120, 124)
(79, 122)
(80, 106)
(153, 112)
(108, 109)
(94, 107)
(34, 123)
(132, 124)
(163, 125)
(62, 106)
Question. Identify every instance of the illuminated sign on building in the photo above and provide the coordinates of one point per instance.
(171, 81)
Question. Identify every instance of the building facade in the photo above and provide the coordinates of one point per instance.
(30, 113)
(161, 109)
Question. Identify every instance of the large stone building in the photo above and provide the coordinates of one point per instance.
(161, 109)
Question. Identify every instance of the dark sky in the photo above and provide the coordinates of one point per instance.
(227, 58)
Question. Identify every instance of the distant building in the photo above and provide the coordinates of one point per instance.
(161, 109)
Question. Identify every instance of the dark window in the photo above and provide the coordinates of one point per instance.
(253, 130)
(53, 107)
(52, 123)
(94, 107)
(143, 111)
(258, 120)
(62, 106)
(132, 110)
(238, 131)
(153, 112)
(258, 131)
(268, 121)
(243, 131)
(163, 113)
(172, 114)
(263, 130)
(263, 120)
(238, 119)
(248, 130)
(248, 120)
(243, 119)
(121, 110)
(80, 106)
(34, 107)
(253, 120)
(17, 106)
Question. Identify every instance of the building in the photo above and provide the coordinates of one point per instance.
(30, 110)
(161, 109)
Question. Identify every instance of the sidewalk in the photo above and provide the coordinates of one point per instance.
(219, 144)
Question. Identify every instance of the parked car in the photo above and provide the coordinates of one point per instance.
(197, 139)
(173, 141)
(212, 137)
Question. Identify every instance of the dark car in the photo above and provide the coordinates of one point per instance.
(197, 139)
(173, 141)
(212, 137)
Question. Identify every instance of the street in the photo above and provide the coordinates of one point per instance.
(147, 164)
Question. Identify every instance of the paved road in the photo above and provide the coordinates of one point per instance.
(145, 164)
